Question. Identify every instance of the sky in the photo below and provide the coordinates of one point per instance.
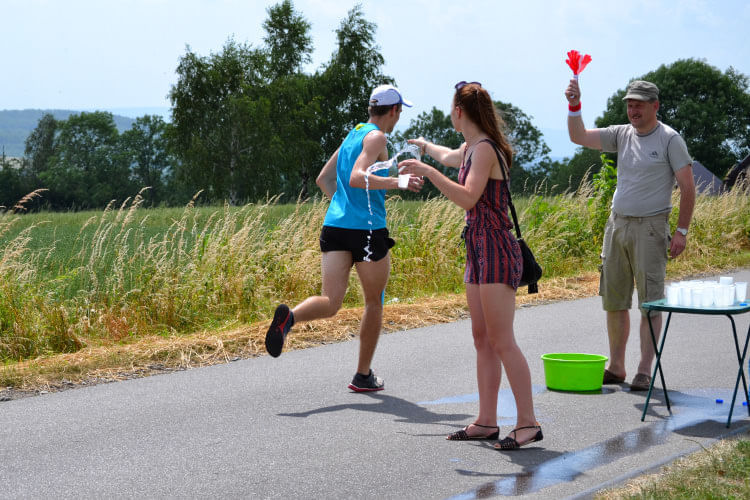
(121, 55)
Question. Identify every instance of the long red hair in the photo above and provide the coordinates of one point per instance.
(477, 104)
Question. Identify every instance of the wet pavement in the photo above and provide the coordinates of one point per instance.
(288, 427)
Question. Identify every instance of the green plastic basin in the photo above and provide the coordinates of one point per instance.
(570, 371)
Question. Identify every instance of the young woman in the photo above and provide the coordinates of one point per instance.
(493, 258)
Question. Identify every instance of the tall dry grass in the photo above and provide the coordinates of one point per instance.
(565, 231)
(232, 266)
(215, 269)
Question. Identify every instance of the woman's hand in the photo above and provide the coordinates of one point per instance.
(420, 142)
(415, 184)
(415, 168)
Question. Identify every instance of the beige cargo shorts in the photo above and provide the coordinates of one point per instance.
(635, 250)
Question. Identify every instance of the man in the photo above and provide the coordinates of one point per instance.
(354, 233)
(650, 157)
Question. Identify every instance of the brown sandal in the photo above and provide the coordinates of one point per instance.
(510, 443)
(610, 378)
(462, 435)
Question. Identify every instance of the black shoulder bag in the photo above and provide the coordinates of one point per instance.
(532, 271)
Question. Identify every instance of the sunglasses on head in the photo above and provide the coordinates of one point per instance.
(462, 84)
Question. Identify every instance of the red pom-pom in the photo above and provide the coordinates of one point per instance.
(576, 63)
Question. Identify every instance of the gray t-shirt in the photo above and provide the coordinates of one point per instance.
(645, 167)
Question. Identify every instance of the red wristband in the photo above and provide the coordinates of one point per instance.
(577, 107)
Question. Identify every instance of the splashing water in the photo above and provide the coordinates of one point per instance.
(391, 165)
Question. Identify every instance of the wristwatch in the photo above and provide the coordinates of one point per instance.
(682, 231)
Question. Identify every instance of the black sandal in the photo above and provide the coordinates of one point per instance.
(462, 435)
(510, 443)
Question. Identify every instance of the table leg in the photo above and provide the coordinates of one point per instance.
(658, 367)
(741, 373)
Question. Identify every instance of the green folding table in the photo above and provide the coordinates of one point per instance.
(729, 312)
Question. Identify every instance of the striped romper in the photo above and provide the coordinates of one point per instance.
(492, 252)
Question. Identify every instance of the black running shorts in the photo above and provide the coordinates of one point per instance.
(356, 241)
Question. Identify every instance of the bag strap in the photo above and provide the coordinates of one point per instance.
(506, 171)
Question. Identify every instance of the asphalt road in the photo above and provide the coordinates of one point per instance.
(290, 428)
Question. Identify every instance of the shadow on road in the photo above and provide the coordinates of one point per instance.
(404, 410)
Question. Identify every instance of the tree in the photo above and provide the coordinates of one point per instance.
(146, 149)
(87, 168)
(248, 122)
(287, 40)
(528, 143)
(295, 154)
(346, 81)
(568, 175)
(710, 109)
(530, 152)
(13, 184)
(40, 145)
(219, 117)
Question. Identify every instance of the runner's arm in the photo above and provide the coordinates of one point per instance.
(373, 149)
(326, 180)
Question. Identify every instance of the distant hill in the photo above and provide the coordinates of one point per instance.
(16, 125)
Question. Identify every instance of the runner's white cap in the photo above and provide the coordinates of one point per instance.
(387, 95)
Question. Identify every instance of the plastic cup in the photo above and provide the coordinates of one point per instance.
(726, 295)
(740, 289)
(726, 280)
(685, 296)
(403, 181)
(673, 295)
(696, 297)
(709, 296)
(720, 298)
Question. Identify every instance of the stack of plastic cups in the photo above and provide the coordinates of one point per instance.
(723, 293)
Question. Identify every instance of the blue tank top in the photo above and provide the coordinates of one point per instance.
(348, 208)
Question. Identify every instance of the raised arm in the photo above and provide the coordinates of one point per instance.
(466, 196)
(576, 129)
(443, 155)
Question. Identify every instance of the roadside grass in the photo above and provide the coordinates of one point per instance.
(721, 471)
(87, 282)
(159, 353)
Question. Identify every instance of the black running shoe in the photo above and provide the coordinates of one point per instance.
(280, 326)
(369, 383)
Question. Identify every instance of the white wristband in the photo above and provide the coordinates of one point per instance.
(574, 113)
